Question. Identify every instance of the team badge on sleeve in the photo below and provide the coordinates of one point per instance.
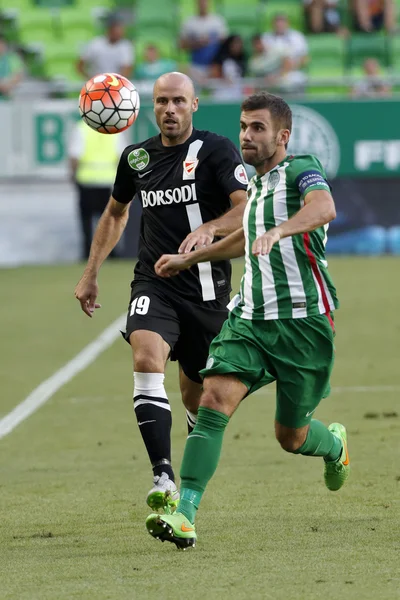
(241, 175)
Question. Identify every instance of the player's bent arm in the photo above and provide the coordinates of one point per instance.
(107, 235)
(318, 210)
(230, 247)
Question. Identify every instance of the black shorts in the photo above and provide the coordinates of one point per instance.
(187, 326)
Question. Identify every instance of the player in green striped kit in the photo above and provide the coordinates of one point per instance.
(280, 326)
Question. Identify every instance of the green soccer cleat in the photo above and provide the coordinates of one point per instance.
(336, 472)
(164, 495)
(174, 528)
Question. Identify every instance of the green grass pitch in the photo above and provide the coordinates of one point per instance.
(74, 475)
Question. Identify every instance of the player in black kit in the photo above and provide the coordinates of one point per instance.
(192, 186)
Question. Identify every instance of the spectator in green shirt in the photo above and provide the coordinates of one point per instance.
(11, 69)
(153, 66)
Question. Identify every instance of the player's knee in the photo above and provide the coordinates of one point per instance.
(290, 442)
(146, 363)
(211, 398)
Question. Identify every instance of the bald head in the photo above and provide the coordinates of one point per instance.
(174, 104)
(176, 81)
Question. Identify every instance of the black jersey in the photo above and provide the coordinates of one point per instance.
(180, 188)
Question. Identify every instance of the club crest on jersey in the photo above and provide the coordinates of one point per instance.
(273, 180)
(241, 175)
(189, 167)
(138, 159)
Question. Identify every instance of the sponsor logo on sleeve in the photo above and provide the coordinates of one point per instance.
(310, 179)
(138, 159)
(241, 175)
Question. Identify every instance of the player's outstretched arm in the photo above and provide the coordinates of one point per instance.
(318, 210)
(223, 226)
(230, 247)
(108, 233)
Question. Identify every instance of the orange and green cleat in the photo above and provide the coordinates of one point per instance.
(336, 472)
(175, 528)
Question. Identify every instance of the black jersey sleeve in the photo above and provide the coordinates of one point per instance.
(228, 166)
(124, 186)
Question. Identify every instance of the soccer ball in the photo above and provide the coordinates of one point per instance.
(109, 103)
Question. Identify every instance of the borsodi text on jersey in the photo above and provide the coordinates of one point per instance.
(184, 193)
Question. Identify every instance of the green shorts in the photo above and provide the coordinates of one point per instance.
(296, 353)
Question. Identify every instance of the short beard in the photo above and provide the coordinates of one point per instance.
(256, 161)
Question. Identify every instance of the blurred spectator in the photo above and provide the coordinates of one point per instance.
(373, 85)
(93, 159)
(322, 15)
(374, 15)
(267, 62)
(230, 61)
(229, 65)
(11, 69)
(290, 40)
(153, 65)
(108, 54)
(294, 44)
(202, 34)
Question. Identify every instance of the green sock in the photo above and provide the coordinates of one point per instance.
(320, 442)
(200, 459)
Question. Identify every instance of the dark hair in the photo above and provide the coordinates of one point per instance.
(279, 109)
(224, 53)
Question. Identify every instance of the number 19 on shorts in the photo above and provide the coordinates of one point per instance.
(140, 305)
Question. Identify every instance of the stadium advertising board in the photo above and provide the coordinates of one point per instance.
(355, 139)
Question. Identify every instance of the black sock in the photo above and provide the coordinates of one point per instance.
(153, 414)
(191, 419)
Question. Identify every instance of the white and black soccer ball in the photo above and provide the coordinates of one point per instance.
(109, 103)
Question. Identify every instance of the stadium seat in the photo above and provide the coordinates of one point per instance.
(53, 3)
(36, 26)
(149, 15)
(326, 54)
(60, 61)
(242, 20)
(16, 5)
(366, 45)
(396, 52)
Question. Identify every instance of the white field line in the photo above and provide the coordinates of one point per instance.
(50, 386)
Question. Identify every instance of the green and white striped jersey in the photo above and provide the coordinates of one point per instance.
(293, 280)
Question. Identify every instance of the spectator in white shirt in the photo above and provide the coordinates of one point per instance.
(108, 54)
(294, 44)
(202, 34)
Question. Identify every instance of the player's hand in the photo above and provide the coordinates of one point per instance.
(171, 264)
(263, 244)
(86, 293)
(202, 236)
